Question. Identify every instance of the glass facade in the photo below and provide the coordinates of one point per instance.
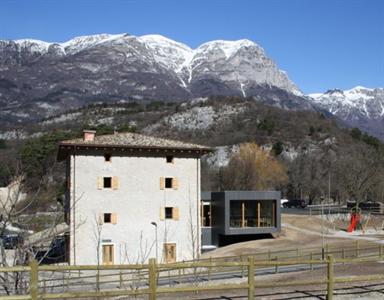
(205, 214)
(252, 213)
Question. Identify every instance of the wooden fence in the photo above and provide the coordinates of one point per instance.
(154, 279)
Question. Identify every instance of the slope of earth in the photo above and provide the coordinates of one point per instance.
(226, 121)
(221, 122)
(214, 121)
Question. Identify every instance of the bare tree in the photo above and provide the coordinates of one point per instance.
(193, 227)
(253, 168)
(10, 211)
(14, 206)
(361, 169)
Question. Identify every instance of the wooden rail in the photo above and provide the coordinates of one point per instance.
(183, 273)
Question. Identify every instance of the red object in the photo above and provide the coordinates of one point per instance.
(354, 220)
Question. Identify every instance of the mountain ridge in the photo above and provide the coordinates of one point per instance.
(359, 107)
(78, 44)
(39, 79)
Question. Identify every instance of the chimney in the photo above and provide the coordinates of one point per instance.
(89, 135)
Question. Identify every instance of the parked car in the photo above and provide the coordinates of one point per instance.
(12, 241)
(298, 203)
(283, 201)
(54, 254)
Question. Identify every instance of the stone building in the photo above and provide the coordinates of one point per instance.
(131, 197)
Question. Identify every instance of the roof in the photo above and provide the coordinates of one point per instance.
(131, 141)
(45, 236)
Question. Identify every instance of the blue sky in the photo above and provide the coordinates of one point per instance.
(322, 44)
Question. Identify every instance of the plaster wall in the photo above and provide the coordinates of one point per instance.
(137, 203)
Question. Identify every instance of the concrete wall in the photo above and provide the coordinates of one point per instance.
(137, 203)
(206, 236)
(220, 203)
(251, 195)
(11, 195)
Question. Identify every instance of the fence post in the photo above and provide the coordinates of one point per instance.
(276, 266)
(152, 278)
(311, 258)
(68, 274)
(34, 280)
(64, 286)
(98, 278)
(251, 278)
(120, 278)
(330, 277)
(210, 268)
(44, 286)
(242, 267)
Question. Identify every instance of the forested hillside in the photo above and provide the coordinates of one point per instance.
(315, 152)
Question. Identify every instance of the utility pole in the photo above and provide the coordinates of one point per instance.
(322, 230)
(329, 192)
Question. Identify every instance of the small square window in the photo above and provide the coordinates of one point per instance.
(107, 157)
(169, 212)
(168, 182)
(107, 218)
(169, 159)
(107, 182)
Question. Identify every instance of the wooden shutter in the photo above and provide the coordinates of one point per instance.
(175, 183)
(101, 219)
(173, 253)
(162, 183)
(99, 183)
(175, 213)
(114, 218)
(115, 182)
(162, 213)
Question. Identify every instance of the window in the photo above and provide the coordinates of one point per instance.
(108, 254)
(169, 213)
(107, 218)
(107, 182)
(206, 214)
(168, 183)
(107, 157)
(170, 252)
(169, 159)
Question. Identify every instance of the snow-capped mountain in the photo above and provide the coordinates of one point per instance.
(360, 106)
(38, 78)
